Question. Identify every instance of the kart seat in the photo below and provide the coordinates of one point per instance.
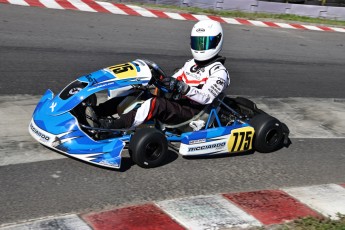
(129, 103)
(202, 115)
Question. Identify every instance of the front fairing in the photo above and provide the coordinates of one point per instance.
(54, 126)
(63, 133)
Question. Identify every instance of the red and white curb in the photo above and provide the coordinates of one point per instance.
(220, 211)
(115, 8)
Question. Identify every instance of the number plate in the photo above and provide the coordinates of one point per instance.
(241, 139)
(123, 71)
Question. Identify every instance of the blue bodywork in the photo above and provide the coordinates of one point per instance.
(54, 125)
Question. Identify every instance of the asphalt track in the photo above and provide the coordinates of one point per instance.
(43, 48)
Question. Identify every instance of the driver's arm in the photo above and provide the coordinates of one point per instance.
(214, 85)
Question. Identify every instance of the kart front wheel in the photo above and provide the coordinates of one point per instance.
(148, 148)
(268, 133)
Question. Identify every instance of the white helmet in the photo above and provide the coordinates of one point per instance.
(206, 40)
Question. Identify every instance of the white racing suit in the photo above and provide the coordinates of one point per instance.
(205, 83)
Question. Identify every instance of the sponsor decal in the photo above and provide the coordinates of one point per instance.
(74, 91)
(102, 85)
(43, 137)
(210, 146)
(212, 92)
(220, 81)
(216, 88)
(200, 30)
(91, 79)
(192, 142)
(196, 69)
(214, 68)
(52, 106)
(195, 76)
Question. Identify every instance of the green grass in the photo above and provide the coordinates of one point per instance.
(251, 16)
(311, 223)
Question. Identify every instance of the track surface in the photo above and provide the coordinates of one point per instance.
(43, 49)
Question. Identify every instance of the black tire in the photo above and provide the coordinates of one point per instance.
(268, 133)
(247, 107)
(245, 102)
(148, 148)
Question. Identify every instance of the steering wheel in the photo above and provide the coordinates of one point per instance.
(157, 75)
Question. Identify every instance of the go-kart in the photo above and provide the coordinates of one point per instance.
(227, 126)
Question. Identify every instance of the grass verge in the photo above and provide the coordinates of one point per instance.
(311, 223)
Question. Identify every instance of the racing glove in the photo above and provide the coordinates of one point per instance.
(176, 87)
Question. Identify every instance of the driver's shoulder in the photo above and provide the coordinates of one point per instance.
(189, 63)
(216, 67)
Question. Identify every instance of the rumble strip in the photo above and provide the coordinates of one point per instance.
(126, 9)
(238, 210)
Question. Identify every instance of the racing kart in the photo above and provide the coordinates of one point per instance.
(227, 126)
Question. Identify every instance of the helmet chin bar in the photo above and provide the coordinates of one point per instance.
(204, 55)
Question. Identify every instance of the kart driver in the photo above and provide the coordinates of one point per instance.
(195, 85)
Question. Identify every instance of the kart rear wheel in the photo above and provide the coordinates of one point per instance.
(268, 133)
(247, 107)
(148, 148)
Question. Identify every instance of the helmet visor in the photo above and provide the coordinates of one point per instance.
(204, 43)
